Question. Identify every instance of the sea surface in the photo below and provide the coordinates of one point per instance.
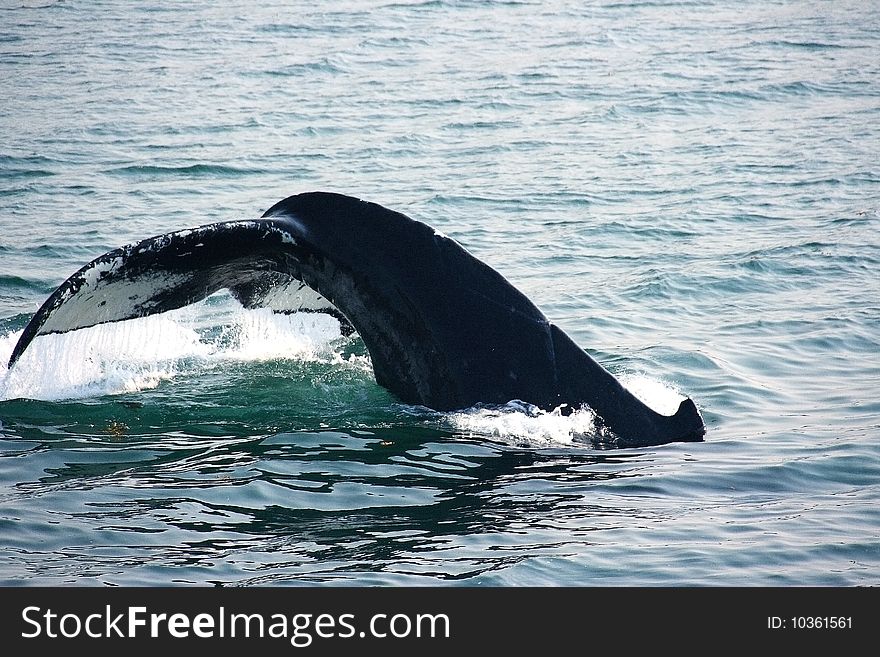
(690, 189)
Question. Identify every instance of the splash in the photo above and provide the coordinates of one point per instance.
(139, 354)
(264, 335)
(524, 425)
(100, 360)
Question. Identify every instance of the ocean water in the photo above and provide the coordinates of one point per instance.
(690, 189)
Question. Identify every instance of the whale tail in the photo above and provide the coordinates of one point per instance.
(443, 329)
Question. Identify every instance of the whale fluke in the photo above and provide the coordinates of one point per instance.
(443, 329)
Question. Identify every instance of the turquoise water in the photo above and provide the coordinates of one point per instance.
(690, 189)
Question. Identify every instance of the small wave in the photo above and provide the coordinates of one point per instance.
(807, 45)
(18, 174)
(304, 69)
(186, 171)
(802, 88)
(12, 283)
(30, 5)
(23, 167)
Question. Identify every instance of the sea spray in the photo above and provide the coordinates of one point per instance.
(526, 425)
(138, 354)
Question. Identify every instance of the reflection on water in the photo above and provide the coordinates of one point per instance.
(306, 506)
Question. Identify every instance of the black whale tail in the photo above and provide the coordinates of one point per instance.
(443, 329)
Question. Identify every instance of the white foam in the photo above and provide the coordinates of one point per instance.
(92, 361)
(138, 354)
(526, 425)
(522, 424)
(265, 335)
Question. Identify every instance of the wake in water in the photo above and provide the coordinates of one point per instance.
(140, 354)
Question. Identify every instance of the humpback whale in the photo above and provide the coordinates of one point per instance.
(443, 329)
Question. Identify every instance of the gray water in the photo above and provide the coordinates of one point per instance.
(690, 189)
